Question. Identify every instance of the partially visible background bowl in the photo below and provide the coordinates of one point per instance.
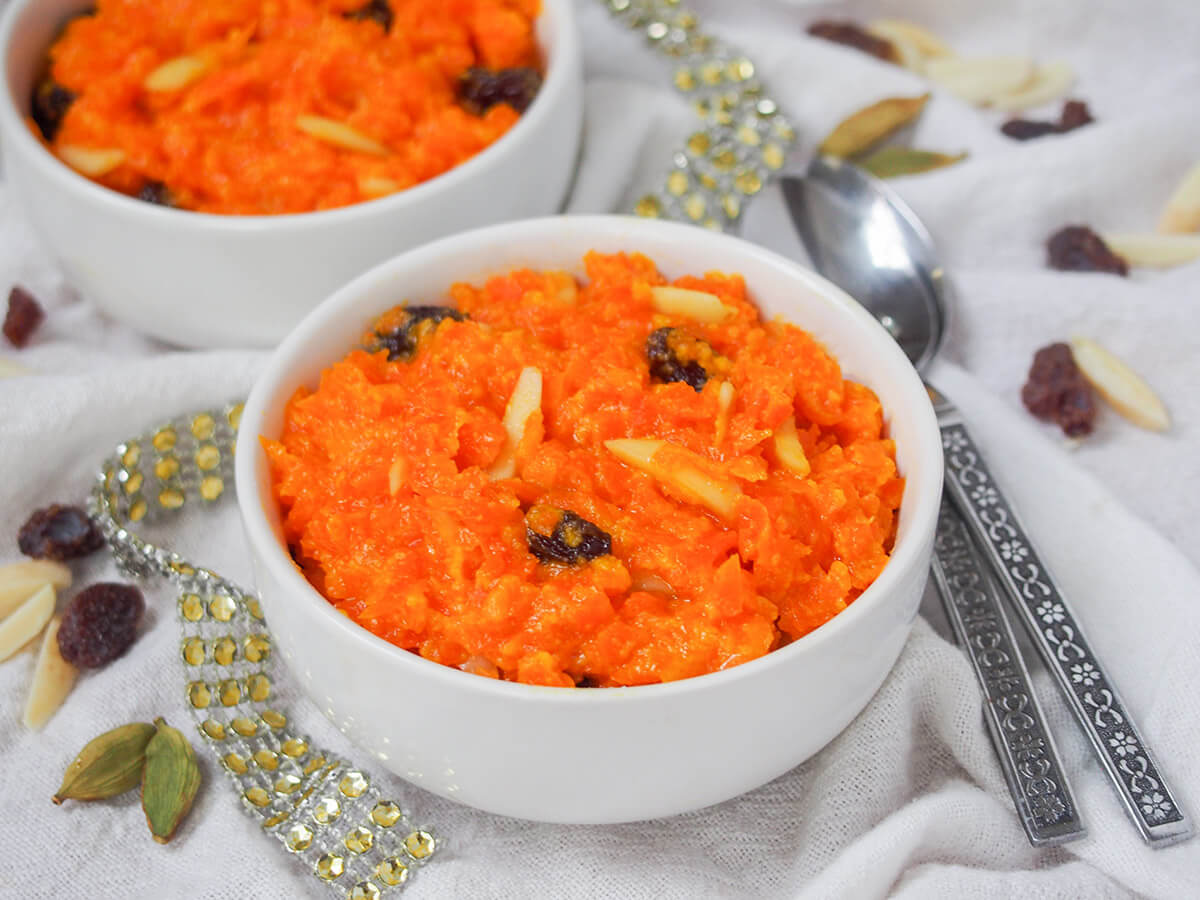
(611, 754)
(204, 280)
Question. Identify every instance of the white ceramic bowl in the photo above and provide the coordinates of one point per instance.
(613, 754)
(205, 280)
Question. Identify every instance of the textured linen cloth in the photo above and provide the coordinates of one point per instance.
(909, 801)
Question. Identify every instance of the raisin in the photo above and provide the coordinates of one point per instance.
(559, 535)
(23, 316)
(1077, 248)
(1024, 130)
(157, 193)
(677, 356)
(1056, 391)
(100, 624)
(587, 681)
(378, 11)
(59, 532)
(852, 35)
(480, 89)
(417, 322)
(1074, 115)
(50, 104)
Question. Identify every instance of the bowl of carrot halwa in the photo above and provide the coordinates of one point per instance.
(589, 519)
(210, 172)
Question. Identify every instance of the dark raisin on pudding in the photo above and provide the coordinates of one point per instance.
(156, 193)
(561, 536)
(59, 533)
(480, 89)
(50, 104)
(100, 624)
(418, 322)
(675, 355)
(378, 11)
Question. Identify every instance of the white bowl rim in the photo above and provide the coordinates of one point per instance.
(556, 82)
(263, 543)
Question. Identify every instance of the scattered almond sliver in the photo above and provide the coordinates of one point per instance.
(1182, 213)
(1158, 250)
(90, 162)
(526, 399)
(675, 470)
(981, 80)
(1123, 388)
(339, 134)
(788, 449)
(377, 186)
(53, 678)
(175, 74)
(699, 305)
(21, 580)
(921, 39)
(724, 404)
(26, 621)
(1050, 81)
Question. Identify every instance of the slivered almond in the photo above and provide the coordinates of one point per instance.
(526, 399)
(788, 449)
(10, 369)
(567, 291)
(53, 678)
(675, 471)
(924, 41)
(1050, 81)
(699, 305)
(90, 162)
(1153, 249)
(377, 186)
(175, 74)
(981, 80)
(20, 581)
(397, 475)
(724, 404)
(1123, 388)
(26, 621)
(1182, 212)
(339, 134)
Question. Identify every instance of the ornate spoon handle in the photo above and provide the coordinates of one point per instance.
(1056, 632)
(1034, 773)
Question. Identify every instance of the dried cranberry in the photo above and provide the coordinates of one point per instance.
(1077, 248)
(853, 36)
(59, 532)
(1057, 391)
(418, 321)
(573, 538)
(374, 11)
(1024, 130)
(480, 89)
(100, 624)
(50, 104)
(1074, 115)
(156, 193)
(675, 356)
(23, 316)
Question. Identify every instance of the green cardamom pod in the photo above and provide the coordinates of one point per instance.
(867, 127)
(109, 765)
(169, 782)
(893, 161)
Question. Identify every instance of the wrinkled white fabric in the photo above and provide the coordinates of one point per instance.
(909, 801)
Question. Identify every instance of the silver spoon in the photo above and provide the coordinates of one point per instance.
(860, 235)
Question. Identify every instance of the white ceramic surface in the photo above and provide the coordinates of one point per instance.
(203, 280)
(617, 754)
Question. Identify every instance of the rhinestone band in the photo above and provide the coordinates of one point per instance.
(324, 810)
(743, 137)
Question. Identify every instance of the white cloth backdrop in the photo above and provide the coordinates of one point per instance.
(909, 801)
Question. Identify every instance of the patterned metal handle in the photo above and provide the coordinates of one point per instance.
(1056, 633)
(1023, 743)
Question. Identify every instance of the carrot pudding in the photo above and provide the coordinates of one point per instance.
(615, 482)
(255, 107)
